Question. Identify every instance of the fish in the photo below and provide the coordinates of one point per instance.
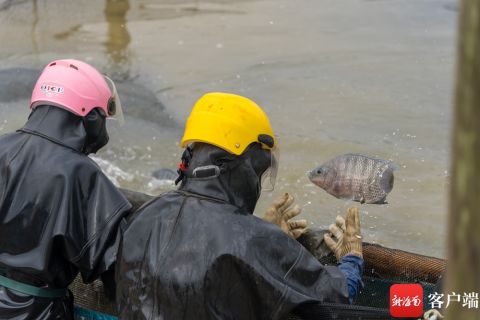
(355, 177)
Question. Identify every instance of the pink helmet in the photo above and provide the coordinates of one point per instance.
(77, 87)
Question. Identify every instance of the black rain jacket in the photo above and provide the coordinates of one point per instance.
(59, 214)
(199, 253)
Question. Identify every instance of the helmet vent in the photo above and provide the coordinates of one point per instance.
(53, 64)
(74, 67)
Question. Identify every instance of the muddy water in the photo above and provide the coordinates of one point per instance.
(373, 77)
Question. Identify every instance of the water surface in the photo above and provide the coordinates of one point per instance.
(373, 77)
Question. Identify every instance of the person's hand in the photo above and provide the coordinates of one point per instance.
(282, 211)
(344, 237)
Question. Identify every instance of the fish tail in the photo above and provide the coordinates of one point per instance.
(387, 179)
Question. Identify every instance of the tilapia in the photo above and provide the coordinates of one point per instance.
(355, 177)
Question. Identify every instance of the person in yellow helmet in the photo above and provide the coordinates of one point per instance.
(199, 253)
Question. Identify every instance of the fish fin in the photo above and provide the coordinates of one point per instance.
(381, 201)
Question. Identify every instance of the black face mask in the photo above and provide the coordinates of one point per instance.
(260, 159)
(95, 124)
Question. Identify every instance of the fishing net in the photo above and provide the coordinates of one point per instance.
(383, 268)
(90, 297)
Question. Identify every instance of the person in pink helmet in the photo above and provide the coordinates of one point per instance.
(59, 214)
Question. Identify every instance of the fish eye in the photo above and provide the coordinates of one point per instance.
(319, 171)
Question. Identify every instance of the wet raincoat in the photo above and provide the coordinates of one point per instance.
(199, 253)
(59, 215)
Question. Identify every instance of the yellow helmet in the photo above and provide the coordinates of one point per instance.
(228, 121)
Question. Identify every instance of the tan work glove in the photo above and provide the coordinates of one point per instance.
(344, 237)
(280, 214)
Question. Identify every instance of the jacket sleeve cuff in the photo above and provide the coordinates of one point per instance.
(352, 268)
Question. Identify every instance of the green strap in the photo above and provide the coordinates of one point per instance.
(31, 290)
